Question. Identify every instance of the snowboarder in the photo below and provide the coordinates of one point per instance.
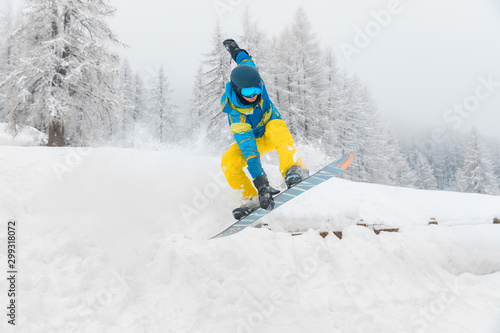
(258, 129)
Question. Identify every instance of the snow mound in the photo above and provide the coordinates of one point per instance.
(28, 136)
(115, 240)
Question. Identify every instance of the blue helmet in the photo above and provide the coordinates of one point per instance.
(245, 76)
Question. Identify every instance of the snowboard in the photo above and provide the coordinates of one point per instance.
(328, 172)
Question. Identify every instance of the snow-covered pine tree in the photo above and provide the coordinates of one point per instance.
(64, 85)
(451, 156)
(425, 177)
(477, 174)
(212, 84)
(281, 75)
(254, 41)
(461, 181)
(491, 147)
(353, 125)
(392, 163)
(497, 170)
(196, 129)
(142, 130)
(444, 153)
(495, 154)
(197, 101)
(305, 83)
(8, 51)
(162, 109)
(354, 129)
(331, 105)
(127, 88)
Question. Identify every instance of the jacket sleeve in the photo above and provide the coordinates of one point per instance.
(244, 136)
(244, 59)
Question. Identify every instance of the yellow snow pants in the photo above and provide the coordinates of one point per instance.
(276, 137)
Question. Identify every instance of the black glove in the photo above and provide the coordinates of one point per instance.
(232, 48)
(266, 192)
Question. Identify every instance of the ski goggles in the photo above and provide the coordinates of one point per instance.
(252, 91)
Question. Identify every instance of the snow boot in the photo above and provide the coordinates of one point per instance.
(266, 192)
(248, 206)
(294, 175)
(233, 48)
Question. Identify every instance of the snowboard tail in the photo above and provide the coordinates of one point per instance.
(328, 172)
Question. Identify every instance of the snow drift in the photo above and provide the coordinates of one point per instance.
(115, 240)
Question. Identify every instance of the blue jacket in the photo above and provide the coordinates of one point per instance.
(248, 122)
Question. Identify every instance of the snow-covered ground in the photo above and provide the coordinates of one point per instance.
(115, 240)
(27, 137)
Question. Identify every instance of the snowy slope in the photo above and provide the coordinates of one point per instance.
(115, 240)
